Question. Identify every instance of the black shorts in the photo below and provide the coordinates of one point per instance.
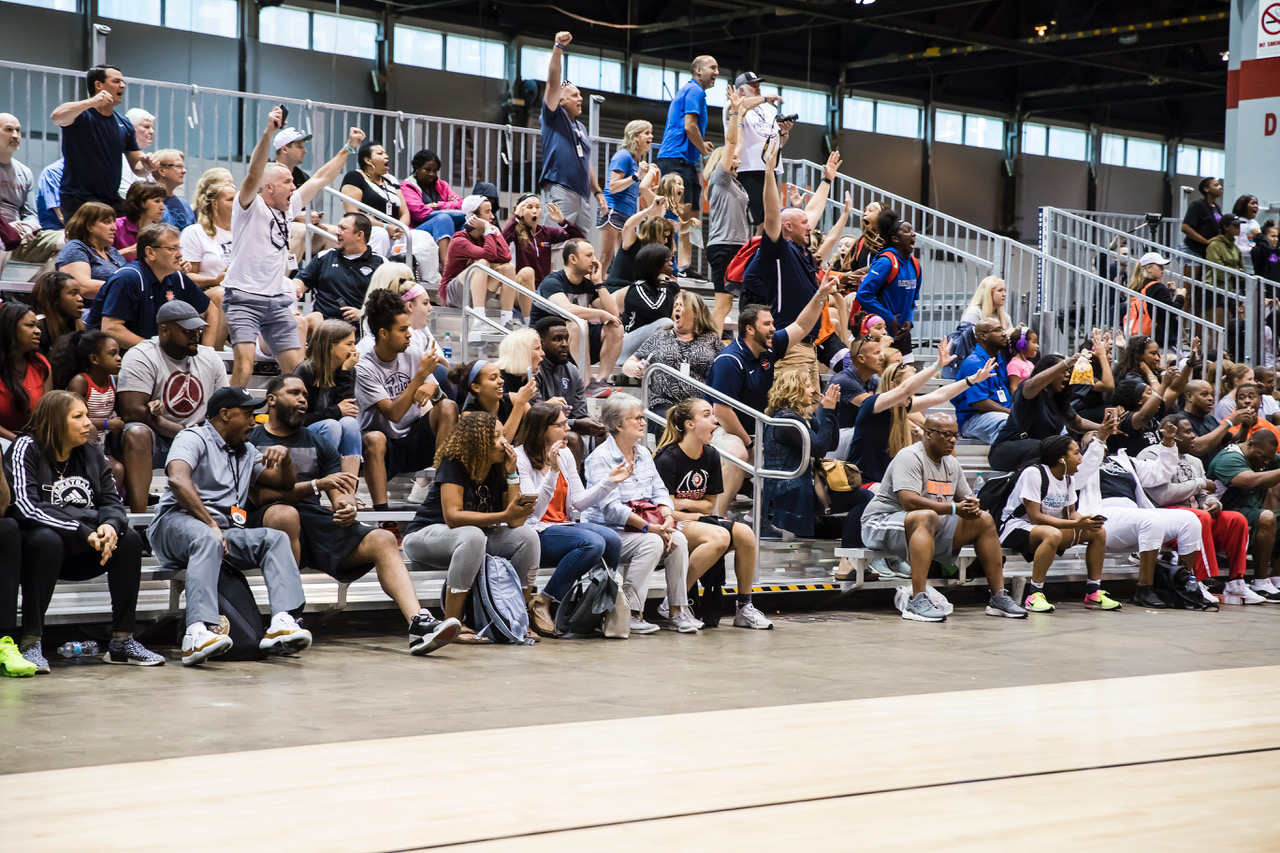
(415, 451)
(719, 256)
(113, 444)
(1019, 539)
(686, 170)
(594, 339)
(753, 183)
(324, 544)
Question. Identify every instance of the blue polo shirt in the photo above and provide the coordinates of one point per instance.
(134, 295)
(782, 276)
(49, 196)
(177, 212)
(737, 373)
(92, 146)
(566, 151)
(624, 202)
(690, 100)
(994, 387)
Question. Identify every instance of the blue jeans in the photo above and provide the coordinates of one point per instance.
(984, 426)
(442, 223)
(574, 549)
(343, 434)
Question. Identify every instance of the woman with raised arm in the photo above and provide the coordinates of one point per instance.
(729, 221)
(1040, 409)
(631, 177)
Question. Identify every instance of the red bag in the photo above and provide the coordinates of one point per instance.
(648, 510)
(737, 269)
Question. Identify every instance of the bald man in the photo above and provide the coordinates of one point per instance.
(684, 139)
(16, 181)
(925, 511)
(1210, 432)
(984, 407)
(568, 177)
(260, 297)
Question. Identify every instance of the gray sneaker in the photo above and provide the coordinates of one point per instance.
(513, 324)
(921, 609)
(33, 653)
(747, 616)
(1002, 604)
(890, 567)
(683, 623)
(664, 612)
(639, 626)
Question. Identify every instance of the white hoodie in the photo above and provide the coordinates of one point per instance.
(1148, 473)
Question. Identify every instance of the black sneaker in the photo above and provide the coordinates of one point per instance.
(1145, 596)
(427, 633)
(129, 651)
(146, 543)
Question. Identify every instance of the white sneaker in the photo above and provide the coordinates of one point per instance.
(1267, 590)
(1239, 588)
(683, 623)
(639, 626)
(285, 636)
(1209, 597)
(664, 612)
(199, 644)
(418, 493)
(747, 616)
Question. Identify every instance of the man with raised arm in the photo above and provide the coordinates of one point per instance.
(568, 177)
(256, 300)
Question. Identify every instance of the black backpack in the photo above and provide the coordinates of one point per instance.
(592, 598)
(995, 493)
(236, 603)
(1178, 588)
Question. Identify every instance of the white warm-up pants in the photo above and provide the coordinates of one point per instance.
(1132, 529)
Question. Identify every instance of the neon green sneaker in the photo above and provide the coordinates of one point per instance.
(1037, 603)
(1101, 601)
(12, 663)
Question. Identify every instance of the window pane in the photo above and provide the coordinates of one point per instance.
(809, 104)
(214, 17)
(138, 11)
(591, 72)
(610, 75)
(1188, 160)
(1068, 144)
(859, 114)
(948, 127)
(984, 132)
(898, 120)
(288, 27)
(56, 5)
(656, 83)
(344, 36)
(715, 96)
(1212, 163)
(1034, 139)
(422, 48)
(1145, 154)
(534, 62)
(1112, 153)
(475, 56)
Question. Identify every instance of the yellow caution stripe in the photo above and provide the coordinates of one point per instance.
(798, 587)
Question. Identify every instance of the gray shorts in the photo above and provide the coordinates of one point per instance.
(250, 315)
(887, 533)
(576, 209)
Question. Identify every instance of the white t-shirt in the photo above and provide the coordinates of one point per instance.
(210, 254)
(1054, 502)
(759, 126)
(183, 387)
(420, 338)
(260, 257)
(378, 380)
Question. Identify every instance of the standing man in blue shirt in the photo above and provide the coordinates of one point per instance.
(892, 283)
(93, 140)
(982, 410)
(684, 137)
(568, 178)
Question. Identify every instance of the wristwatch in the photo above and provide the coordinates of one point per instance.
(645, 529)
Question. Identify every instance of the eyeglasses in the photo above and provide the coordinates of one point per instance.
(949, 436)
(174, 248)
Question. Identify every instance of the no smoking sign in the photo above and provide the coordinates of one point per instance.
(1269, 30)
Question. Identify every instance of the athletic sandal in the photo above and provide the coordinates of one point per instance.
(471, 638)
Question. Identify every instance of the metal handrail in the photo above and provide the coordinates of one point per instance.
(758, 471)
(469, 312)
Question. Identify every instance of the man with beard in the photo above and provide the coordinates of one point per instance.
(201, 523)
(331, 540)
(559, 377)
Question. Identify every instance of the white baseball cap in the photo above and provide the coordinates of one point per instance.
(1153, 258)
(288, 136)
(472, 203)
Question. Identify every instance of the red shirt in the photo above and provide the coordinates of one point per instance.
(465, 251)
(12, 418)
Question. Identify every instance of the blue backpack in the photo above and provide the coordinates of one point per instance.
(963, 342)
(495, 608)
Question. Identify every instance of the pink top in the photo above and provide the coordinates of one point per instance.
(126, 233)
(419, 209)
(1020, 368)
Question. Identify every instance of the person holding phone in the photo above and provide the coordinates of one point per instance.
(475, 507)
(1040, 522)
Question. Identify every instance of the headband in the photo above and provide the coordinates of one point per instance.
(869, 321)
(475, 371)
(413, 293)
(520, 200)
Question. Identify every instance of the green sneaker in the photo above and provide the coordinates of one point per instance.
(12, 663)
(1037, 603)
(1101, 601)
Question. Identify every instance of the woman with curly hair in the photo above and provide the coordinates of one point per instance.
(1140, 359)
(792, 505)
(475, 493)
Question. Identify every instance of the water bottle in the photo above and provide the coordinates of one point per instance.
(75, 649)
(448, 347)
(978, 483)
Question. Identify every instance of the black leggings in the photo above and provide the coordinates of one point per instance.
(1009, 455)
(48, 558)
(855, 502)
(10, 576)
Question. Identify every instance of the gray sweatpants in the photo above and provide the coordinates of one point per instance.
(641, 554)
(461, 550)
(579, 210)
(179, 540)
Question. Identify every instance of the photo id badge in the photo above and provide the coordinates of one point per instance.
(239, 518)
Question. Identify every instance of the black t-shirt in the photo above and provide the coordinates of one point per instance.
(851, 386)
(693, 479)
(870, 447)
(623, 269)
(647, 303)
(299, 177)
(487, 496)
(1135, 440)
(1116, 482)
(1203, 425)
(312, 456)
(1205, 221)
(1037, 418)
(581, 294)
(378, 196)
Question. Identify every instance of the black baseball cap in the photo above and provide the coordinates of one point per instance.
(747, 78)
(232, 398)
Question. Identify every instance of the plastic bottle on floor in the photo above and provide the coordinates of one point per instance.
(75, 649)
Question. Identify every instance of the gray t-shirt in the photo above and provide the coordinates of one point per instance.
(378, 380)
(16, 182)
(221, 474)
(183, 387)
(912, 470)
(727, 199)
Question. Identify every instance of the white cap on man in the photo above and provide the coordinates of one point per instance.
(288, 136)
(1153, 258)
(472, 203)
